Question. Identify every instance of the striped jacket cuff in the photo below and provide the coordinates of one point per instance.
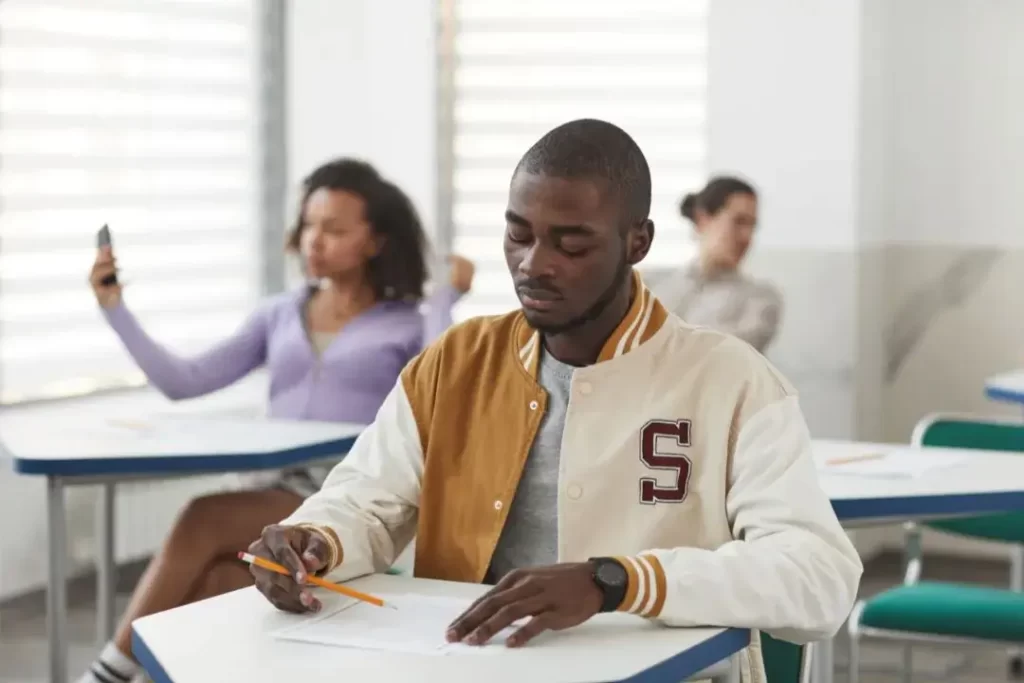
(645, 590)
(335, 554)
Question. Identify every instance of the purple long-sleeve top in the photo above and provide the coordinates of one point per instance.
(346, 383)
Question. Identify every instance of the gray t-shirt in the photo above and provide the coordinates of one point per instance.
(530, 536)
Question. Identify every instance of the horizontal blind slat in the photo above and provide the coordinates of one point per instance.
(143, 21)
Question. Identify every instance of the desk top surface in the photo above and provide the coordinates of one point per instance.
(1008, 386)
(235, 642)
(982, 482)
(171, 443)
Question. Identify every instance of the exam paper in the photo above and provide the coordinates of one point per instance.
(416, 625)
(908, 463)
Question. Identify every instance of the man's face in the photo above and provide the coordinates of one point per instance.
(566, 249)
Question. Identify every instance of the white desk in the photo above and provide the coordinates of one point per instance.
(1007, 387)
(168, 643)
(985, 482)
(86, 450)
(233, 643)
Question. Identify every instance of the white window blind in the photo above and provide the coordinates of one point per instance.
(138, 113)
(521, 67)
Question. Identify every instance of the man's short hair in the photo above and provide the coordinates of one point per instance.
(595, 150)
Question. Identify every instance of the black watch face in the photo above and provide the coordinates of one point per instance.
(611, 574)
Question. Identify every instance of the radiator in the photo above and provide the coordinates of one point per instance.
(144, 513)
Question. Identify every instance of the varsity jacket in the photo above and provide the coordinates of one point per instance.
(684, 454)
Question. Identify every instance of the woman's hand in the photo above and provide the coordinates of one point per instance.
(108, 296)
(462, 270)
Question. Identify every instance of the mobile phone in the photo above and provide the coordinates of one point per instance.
(103, 240)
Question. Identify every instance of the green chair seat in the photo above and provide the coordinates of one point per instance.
(948, 609)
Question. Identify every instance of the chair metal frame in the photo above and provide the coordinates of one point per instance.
(912, 574)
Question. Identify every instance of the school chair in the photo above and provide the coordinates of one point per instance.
(783, 663)
(951, 613)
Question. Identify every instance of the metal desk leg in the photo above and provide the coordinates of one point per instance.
(824, 662)
(106, 569)
(56, 595)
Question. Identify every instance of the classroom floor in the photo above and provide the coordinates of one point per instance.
(23, 656)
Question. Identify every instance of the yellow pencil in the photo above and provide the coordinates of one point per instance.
(854, 458)
(315, 580)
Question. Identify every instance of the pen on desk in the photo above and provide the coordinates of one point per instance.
(842, 460)
(315, 580)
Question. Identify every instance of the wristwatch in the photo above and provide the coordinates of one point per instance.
(610, 576)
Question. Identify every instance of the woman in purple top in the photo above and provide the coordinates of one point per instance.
(333, 350)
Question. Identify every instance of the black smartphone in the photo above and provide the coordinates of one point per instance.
(103, 240)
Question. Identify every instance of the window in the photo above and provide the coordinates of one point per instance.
(513, 69)
(144, 115)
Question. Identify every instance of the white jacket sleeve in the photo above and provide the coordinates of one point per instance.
(369, 502)
(791, 570)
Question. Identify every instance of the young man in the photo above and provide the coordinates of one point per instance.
(588, 453)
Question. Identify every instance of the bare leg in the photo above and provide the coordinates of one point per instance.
(209, 529)
(226, 574)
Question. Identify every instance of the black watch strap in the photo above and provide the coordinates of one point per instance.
(611, 577)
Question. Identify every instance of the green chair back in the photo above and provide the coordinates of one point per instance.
(783, 662)
(964, 432)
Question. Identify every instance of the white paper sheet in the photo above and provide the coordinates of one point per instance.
(417, 625)
(909, 463)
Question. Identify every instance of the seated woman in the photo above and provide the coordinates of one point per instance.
(711, 290)
(333, 350)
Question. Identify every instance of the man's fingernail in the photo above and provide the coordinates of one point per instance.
(451, 635)
(300, 577)
(305, 598)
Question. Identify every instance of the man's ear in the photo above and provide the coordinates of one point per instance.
(639, 241)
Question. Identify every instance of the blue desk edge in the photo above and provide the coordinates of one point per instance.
(178, 464)
(928, 506)
(997, 394)
(672, 670)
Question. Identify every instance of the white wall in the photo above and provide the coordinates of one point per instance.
(361, 82)
(783, 111)
(956, 116)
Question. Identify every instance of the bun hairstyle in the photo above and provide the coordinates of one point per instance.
(688, 207)
(714, 196)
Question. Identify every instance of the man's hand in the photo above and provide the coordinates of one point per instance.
(555, 598)
(302, 551)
